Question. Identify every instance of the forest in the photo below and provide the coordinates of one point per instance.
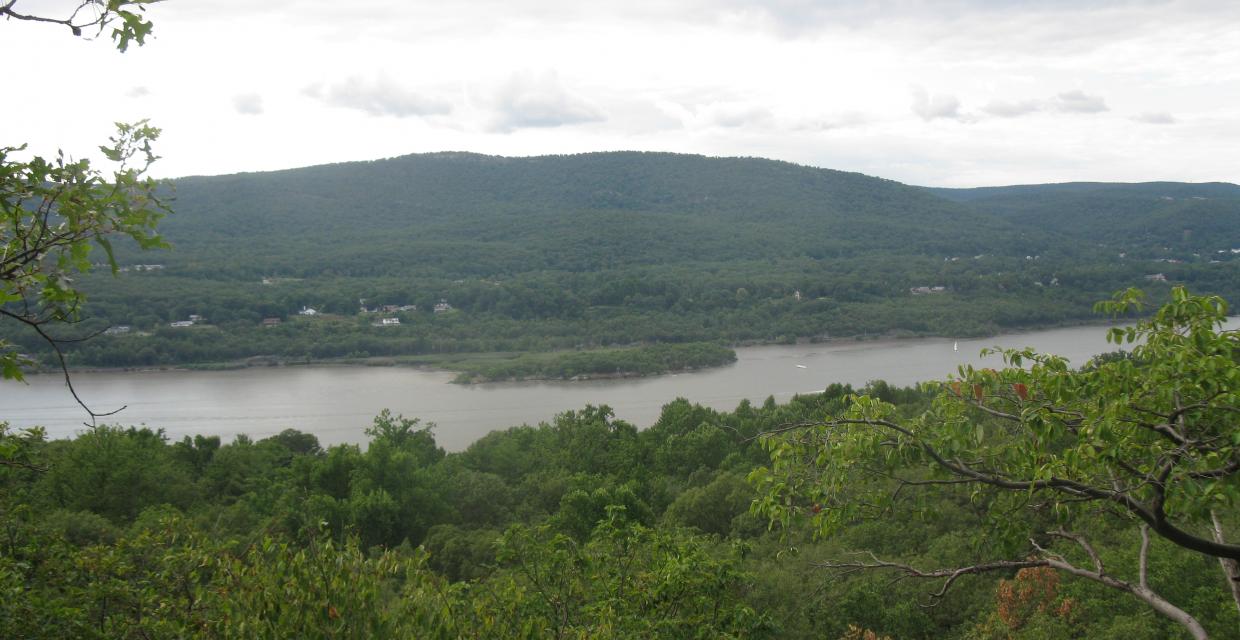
(778, 520)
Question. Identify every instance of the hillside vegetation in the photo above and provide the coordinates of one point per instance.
(1153, 219)
(624, 249)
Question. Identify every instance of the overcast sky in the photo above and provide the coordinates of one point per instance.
(964, 93)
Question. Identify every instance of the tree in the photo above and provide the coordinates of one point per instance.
(53, 212)
(1151, 441)
(97, 15)
(623, 581)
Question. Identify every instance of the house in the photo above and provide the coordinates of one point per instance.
(182, 323)
(271, 322)
(117, 330)
(1156, 277)
(390, 308)
(388, 322)
(409, 307)
(307, 311)
(195, 317)
(918, 291)
(443, 307)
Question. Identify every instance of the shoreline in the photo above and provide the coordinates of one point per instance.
(436, 362)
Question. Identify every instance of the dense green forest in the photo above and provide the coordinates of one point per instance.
(1151, 219)
(620, 249)
(582, 527)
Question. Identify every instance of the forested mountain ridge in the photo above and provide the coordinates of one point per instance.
(577, 213)
(624, 248)
(1150, 216)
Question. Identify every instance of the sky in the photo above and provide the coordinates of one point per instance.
(942, 93)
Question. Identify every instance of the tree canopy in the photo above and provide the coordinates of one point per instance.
(1150, 438)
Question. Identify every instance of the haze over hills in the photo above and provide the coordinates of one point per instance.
(607, 249)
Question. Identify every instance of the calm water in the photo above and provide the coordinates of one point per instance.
(337, 403)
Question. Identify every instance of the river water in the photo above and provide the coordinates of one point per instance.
(337, 402)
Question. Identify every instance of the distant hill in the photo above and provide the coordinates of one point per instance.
(1197, 217)
(484, 215)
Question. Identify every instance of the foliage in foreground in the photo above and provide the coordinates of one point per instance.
(1149, 441)
(581, 527)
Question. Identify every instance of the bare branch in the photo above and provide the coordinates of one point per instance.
(1143, 559)
(64, 367)
(76, 27)
(949, 576)
(1141, 590)
(1231, 568)
(1083, 543)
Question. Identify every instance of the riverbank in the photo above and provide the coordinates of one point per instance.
(477, 368)
(574, 365)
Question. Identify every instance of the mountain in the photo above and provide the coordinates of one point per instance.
(469, 214)
(1150, 215)
(606, 249)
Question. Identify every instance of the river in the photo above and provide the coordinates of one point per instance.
(336, 403)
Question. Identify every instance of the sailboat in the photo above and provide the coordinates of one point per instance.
(956, 346)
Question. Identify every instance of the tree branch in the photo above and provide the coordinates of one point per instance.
(1141, 590)
(1042, 558)
(1154, 516)
(1231, 568)
(64, 367)
(22, 465)
(949, 576)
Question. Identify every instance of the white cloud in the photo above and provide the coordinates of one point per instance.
(733, 115)
(1077, 101)
(1003, 109)
(1155, 117)
(929, 106)
(250, 104)
(530, 100)
(377, 97)
(824, 82)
